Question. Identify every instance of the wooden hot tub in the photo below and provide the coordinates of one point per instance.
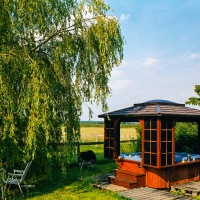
(131, 174)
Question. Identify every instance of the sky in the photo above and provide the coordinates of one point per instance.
(161, 53)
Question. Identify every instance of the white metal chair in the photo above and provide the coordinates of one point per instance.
(17, 178)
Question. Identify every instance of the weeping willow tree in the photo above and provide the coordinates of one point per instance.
(54, 55)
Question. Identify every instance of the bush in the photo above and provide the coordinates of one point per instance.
(186, 135)
(138, 144)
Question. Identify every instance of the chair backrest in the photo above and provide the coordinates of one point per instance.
(25, 171)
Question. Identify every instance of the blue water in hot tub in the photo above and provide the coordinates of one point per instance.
(132, 156)
(179, 157)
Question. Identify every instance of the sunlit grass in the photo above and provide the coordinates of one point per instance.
(76, 184)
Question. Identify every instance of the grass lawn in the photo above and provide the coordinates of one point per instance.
(75, 185)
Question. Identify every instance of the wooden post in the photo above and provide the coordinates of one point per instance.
(142, 124)
(117, 139)
(158, 142)
(198, 123)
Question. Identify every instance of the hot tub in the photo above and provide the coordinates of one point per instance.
(132, 156)
(185, 157)
(179, 157)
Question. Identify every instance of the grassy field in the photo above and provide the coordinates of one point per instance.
(96, 133)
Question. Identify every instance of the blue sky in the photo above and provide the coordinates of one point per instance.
(161, 52)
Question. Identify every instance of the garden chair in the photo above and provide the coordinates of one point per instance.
(17, 178)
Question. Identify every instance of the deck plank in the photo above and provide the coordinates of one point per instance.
(190, 188)
(150, 194)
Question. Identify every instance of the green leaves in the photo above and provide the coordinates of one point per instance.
(195, 100)
(54, 55)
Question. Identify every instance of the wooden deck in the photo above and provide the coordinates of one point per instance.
(110, 187)
(145, 193)
(191, 188)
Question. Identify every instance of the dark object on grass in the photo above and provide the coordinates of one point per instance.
(88, 157)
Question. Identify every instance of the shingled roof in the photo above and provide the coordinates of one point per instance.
(155, 108)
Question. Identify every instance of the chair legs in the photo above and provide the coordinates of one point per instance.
(20, 188)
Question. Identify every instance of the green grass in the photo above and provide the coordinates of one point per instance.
(74, 185)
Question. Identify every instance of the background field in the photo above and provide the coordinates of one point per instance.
(95, 133)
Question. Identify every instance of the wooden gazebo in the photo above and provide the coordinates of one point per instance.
(157, 165)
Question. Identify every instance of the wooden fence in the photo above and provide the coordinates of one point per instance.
(79, 144)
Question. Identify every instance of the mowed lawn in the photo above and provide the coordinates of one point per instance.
(75, 185)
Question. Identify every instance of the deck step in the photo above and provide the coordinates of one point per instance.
(128, 174)
(127, 183)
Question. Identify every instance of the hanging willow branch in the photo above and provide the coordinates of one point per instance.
(44, 81)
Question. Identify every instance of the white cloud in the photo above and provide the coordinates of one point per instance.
(194, 56)
(124, 63)
(120, 84)
(149, 62)
(124, 17)
(116, 72)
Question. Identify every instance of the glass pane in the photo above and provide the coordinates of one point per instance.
(153, 159)
(154, 124)
(163, 135)
(146, 135)
(170, 124)
(147, 146)
(111, 132)
(147, 124)
(107, 153)
(107, 143)
(163, 160)
(163, 124)
(154, 147)
(153, 135)
(163, 147)
(147, 158)
(109, 123)
(169, 135)
(169, 147)
(112, 143)
(169, 159)
(111, 153)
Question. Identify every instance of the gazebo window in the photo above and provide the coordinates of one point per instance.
(150, 142)
(166, 142)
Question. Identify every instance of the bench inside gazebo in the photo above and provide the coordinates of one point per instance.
(158, 165)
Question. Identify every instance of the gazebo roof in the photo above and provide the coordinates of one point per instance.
(156, 107)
